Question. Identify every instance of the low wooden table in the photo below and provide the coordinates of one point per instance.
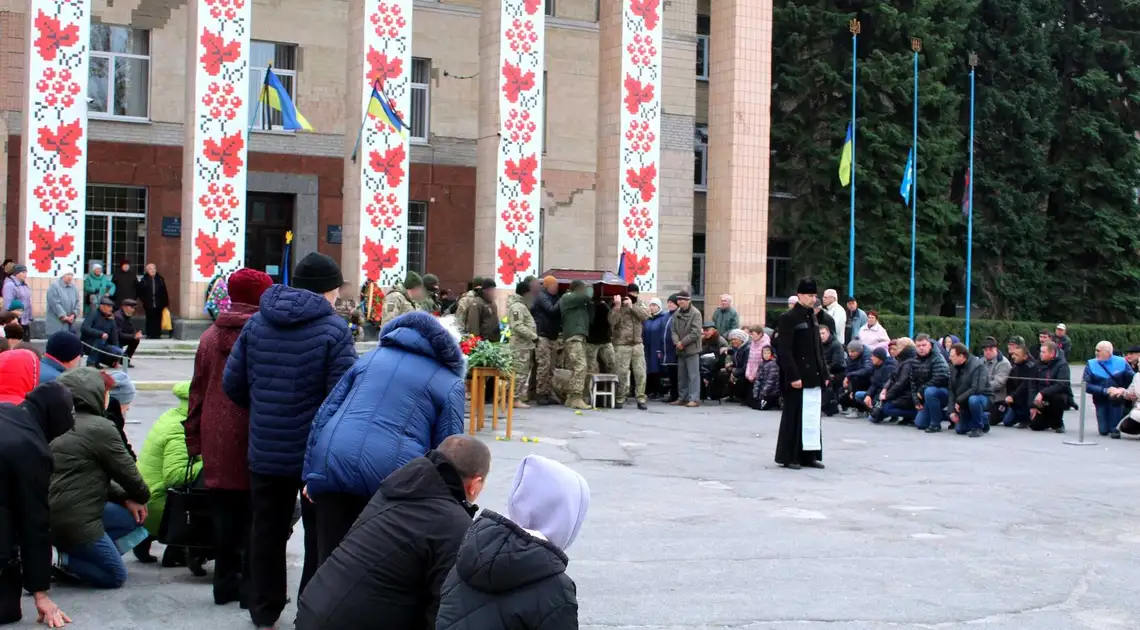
(503, 384)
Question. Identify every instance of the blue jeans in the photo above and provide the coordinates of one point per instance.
(974, 416)
(891, 411)
(933, 400)
(100, 563)
(1015, 414)
(1108, 417)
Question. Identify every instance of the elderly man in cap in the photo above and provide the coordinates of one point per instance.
(805, 374)
(1061, 337)
(99, 331)
(685, 335)
(129, 336)
(1132, 356)
(627, 319)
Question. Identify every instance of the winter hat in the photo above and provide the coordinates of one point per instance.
(107, 302)
(488, 283)
(17, 269)
(63, 346)
(632, 288)
(683, 295)
(522, 288)
(550, 282)
(657, 301)
(855, 346)
(807, 286)
(1133, 350)
(413, 281)
(880, 353)
(431, 281)
(16, 305)
(317, 273)
(673, 298)
(739, 335)
(246, 286)
(548, 497)
(124, 389)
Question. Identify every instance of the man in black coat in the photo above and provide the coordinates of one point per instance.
(25, 514)
(801, 361)
(387, 572)
(548, 323)
(99, 331)
(129, 336)
(1052, 393)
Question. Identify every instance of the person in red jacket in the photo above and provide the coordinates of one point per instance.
(218, 430)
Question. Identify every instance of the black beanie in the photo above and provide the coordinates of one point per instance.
(522, 288)
(632, 288)
(488, 283)
(317, 273)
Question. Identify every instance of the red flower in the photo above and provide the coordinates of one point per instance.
(212, 253)
(636, 94)
(383, 68)
(647, 10)
(227, 153)
(515, 81)
(390, 164)
(642, 180)
(53, 36)
(531, 6)
(635, 266)
(512, 263)
(377, 258)
(64, 141)
(523, 173)
(46, 247)
(218, 51)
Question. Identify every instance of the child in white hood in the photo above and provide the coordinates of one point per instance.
(514, 568)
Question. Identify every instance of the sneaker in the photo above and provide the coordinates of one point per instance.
(975, 433)
(1114, 435)
(933, 429)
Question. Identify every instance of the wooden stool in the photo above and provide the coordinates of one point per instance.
(608, 389)
(505, 400)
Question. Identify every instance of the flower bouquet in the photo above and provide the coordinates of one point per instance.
(485, 354)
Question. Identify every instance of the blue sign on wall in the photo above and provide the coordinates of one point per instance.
(172, 227)
(335, 234)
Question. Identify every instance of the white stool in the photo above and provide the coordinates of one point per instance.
(608, 389)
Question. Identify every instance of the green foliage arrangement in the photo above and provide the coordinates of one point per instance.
(491, 355)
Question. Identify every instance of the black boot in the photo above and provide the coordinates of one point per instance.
(142, 551)
(174, 557)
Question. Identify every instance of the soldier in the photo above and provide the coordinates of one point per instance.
(403, 297)
(575, 312)
(523, 337)
(430, 302)
(626, 318)
(465, 302)
(599, 349)
(548, 320)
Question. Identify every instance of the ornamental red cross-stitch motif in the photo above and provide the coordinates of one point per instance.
(384, 152)
(639, 145)
(55, 149)
(522, 45)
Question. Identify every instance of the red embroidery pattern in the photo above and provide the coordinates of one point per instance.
(519, 192)
(640, 146)
(56, 150)
(384, 153)
(218, 189)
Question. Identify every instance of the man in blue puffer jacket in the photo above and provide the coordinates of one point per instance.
(396, 404)
(289, 356)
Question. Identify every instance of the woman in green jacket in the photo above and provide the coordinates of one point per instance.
(96, 286)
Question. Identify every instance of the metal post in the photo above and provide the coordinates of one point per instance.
(970, 202)
(1081, 429)
(853, 26)
(916, 46)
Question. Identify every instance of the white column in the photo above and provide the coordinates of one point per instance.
(214, 154)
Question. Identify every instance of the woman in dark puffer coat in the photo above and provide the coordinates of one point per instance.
(510, 573)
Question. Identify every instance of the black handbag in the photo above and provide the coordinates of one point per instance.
(187, 520)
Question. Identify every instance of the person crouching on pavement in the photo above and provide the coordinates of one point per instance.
(741, 387)
(856, 379)
(26, 430)
(511, 571)
(98, 498)
(396, 404)
(388, 572)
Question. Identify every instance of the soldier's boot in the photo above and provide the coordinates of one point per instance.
(577, 403)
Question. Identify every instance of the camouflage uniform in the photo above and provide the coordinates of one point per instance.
(430, 303)
(396, 303)
(630, 352)
(575, 361)
(461, 307)
(523, 337)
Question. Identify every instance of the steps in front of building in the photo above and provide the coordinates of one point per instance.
(177, 349)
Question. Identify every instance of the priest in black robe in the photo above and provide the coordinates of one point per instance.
(800, 354)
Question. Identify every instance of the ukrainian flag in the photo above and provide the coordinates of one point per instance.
(275, 96)
(378, 107)
(845, 160)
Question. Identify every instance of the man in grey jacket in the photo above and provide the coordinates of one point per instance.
(998, 369)
(685, 333)
(969, 392)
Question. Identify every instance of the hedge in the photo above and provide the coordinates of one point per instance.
(1084, 336)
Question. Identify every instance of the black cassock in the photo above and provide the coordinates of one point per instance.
(800, 354)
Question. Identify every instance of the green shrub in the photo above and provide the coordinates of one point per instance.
(1083, 336)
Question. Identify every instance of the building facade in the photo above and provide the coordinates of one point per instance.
(635, 152)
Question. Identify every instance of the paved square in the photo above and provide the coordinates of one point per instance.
(692, 525)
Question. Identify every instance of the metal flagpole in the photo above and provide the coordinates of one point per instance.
(854, 27)
(260, 97)
(916, 46)
(970, 200)
(364, 121)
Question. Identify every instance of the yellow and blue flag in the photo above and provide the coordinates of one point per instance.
(378, 106)
(276, 97)
(845, 160)
(908, 177)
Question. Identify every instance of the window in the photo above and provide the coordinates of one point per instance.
(283, 57)
(115, 227)
(545, 100)
(118, 78)
(779, 269)
(697, 279)
(417, 236)
(701, 157)
(550, 8)
(703, 47)
(421, 101)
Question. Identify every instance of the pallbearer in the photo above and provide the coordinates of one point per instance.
(805, 374)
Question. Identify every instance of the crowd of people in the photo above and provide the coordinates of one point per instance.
(282, 417)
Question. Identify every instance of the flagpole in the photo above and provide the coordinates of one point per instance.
(363, 121)
(970, 200)
(854, 27)
(915, 45)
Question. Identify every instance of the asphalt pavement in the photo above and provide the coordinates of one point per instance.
(693, 526)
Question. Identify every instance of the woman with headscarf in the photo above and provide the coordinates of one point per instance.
(16, 289)
(653, 339)
(26, 430)
(96, 286)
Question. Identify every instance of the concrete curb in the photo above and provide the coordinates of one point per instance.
(155, 386)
